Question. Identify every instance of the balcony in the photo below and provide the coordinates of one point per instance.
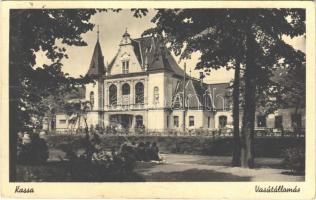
(125, 107)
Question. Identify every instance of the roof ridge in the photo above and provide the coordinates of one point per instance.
(143, 37)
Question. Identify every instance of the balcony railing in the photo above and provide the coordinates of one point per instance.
(126, 107)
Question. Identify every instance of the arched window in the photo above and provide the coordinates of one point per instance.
(126, 90)
(156, 95)
(139, 93)
(92, 98)
(222, 121)
(113, 95)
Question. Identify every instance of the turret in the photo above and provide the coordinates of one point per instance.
(97, 67)
(126, 39)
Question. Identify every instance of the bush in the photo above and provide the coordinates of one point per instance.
(35, 152)
(294, 160)
(98, 164)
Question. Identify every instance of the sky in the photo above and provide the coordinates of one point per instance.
(112, 26)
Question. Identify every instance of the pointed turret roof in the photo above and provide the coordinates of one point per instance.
(97, 67)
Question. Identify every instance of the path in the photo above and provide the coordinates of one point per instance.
(212, 168)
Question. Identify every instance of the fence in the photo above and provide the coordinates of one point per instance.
(225, 132)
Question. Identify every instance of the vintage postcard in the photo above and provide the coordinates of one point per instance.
(158, 99)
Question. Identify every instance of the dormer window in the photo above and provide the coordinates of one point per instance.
(125, 66)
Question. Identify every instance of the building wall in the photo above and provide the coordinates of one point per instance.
(156, 120)
(227, 114)
(209, 120)
(92, 118)
(156, 80)
(61, 121)
(93, 87)
(198, 116)
(270, 119)
(132, 81)
(286, 118)
(200, 119)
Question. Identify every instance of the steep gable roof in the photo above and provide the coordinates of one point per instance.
(153, 52)
(97, 67)
(153, 55)
(196, 95)
(221, 89)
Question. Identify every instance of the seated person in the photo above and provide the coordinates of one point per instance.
(154, 150)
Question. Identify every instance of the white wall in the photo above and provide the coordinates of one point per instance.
(198, 119)
(286, 116)
(91, 87)
(126, 52)
(92, 118)
(156, 80)
(229, 116)
(60, 125)
(156, 120)
(132, 81)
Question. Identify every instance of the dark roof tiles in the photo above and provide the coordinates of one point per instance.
(97, 66)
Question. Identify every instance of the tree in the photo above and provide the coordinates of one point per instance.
(49, 30)
(213, 41)
(290, 87)
(31, 31)
(256, 33)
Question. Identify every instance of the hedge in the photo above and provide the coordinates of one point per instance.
(264, 146)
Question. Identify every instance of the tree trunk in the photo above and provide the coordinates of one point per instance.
(247, 148)
(296, 129)
(236, 92)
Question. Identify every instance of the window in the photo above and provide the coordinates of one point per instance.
(278, 122)
(191, 120)
(261, 121)
(125, 66)
(139, 120)
(62, 121)
(113, 95)
(222, 121)
(208, 122)
(156, 95)
(126, 89)
(92, 98)
(176, 121)
(296, 121)
(139, 92)
(167, 121)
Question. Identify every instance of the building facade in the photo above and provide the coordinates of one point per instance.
(143, 86)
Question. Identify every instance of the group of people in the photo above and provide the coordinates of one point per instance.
(142, 151)
(32, 147)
